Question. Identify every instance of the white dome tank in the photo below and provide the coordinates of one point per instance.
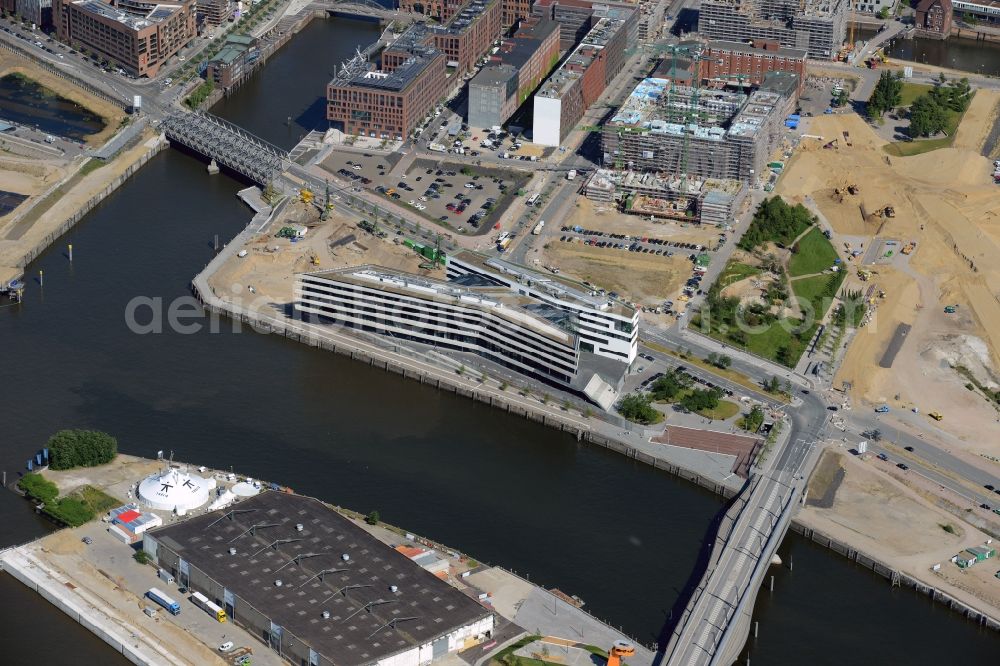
(175, 490)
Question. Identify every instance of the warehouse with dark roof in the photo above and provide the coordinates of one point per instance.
(315, 587)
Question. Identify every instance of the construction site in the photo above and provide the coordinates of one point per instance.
(814, 25)
(694, 132)
(931, 245)
(706, 201)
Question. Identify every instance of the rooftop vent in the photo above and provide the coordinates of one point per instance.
(278, 583)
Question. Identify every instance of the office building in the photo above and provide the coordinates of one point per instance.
(316, 588)
(138, 36)
(515, 70)
(605, 327)
(983, 11)
(234, 62)
(667, 196)
(386, 104)
(934, 17)
(215, 12)
(561, 102)
(464, 40)
(38, 12)
(734, 64)
(475, 318)
(703, 133)
(817, 26)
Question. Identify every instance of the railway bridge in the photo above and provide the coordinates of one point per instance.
(227, 144)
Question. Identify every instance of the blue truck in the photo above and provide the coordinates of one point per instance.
(154, 594)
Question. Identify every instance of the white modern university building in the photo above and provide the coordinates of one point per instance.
(531, 323)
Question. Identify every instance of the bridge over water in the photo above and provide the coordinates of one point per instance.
(227, 144)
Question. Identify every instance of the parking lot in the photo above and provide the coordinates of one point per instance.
(106, 569)
(460, 197)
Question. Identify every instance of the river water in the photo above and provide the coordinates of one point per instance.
(25, 102)
(620, 535)
(967, 55)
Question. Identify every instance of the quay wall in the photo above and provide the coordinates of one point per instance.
(89, 205)
(87, 615)
(895, 576)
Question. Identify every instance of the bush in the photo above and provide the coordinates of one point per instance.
(141, 556)
(373, 518)
(39, 488)
(701, 400)
(81, 448)
(71, 511)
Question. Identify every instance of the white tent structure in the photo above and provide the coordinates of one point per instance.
(175, 490)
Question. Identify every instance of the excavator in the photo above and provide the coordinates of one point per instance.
(619, 650)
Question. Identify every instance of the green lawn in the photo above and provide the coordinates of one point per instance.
(820, 290)
(815, 254)
(912, 91)
(725, 410)
(96, 499)
(736, 271)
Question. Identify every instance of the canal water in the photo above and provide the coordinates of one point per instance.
(25, 102)
(620, 535)
(966, 55)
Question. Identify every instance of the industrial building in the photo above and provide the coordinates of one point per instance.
(516, 68)
(687, 131)
(817, 26)
(138, 36)
(386, 104)
(315, 587)
(706, 201)
(579, 81)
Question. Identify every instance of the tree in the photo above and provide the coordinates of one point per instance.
(670, 385)
(636, 407)
(141, 556)
(886, 95)
(927, 117)
(772, 385)
(81, 448)
(701, 400)
(373, 518)
(724, 361)
(754, 420)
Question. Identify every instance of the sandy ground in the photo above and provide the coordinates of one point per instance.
(272, 263)
(599, 216)
(946, 202)
(878, 514)
(12, 250)
(641, 278)
(11, 64)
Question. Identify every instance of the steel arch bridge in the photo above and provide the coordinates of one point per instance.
(227, 144)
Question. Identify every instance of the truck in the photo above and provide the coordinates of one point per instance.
(882, 409)
(159, 597)
(504, 244)
(538, 227)
(213, 609)
(937, 416)
(437, 148)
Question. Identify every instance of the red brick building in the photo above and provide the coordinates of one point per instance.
(464, 40)
(138, 36)
(734, 64)
(386, 104)
(934, 16)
